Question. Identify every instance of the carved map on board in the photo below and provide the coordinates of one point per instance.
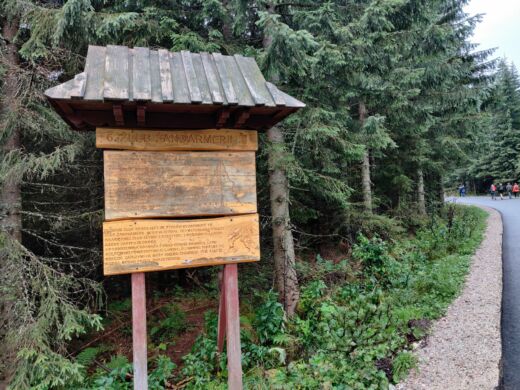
(155, 245)
(178, 184)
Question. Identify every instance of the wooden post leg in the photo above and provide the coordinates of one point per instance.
(221, 332)
(234, 355)
(139, 331)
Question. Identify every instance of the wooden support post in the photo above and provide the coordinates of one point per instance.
(139, 331)
(221, 332)
(232, 320)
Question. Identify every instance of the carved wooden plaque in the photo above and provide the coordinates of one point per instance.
(178, 184)
(213, 139)
(155, 245)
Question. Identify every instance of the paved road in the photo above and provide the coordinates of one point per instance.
(510, 322)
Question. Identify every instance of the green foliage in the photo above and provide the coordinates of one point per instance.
(173, 323)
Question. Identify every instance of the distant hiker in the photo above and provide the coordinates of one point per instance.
(509, 189)
(500, 189)
(462, 190)
(516, 190)
(493, 191)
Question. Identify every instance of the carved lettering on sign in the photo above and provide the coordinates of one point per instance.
(221, 139)
(178, 184)
(155, 245)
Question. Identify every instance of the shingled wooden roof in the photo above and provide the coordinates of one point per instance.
(156, 88)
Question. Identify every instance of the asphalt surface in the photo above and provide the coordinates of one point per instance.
(510, 320)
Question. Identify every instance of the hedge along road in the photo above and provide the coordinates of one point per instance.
(510, 321)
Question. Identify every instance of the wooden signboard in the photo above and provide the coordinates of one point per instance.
(158, 245)
(213, 139)
(178, 184)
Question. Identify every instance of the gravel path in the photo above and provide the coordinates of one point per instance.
(463, 351)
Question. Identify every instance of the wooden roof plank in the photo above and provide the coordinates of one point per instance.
(225, 80)
(95, 70)
(181, 93)
(117, 73)
(141, 73)
(254, 80)
(191, 77)
(210, 71)
(235, 75)
(155, 77)
(166, 75)
(276, 94)
(201, 78)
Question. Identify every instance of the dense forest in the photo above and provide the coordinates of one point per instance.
(401, 106)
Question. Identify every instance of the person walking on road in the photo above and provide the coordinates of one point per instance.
(509, 189)
(462, 190)
(501, 189)
(493, 191)
(516, 190)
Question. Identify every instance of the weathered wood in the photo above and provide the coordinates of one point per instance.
(155, 77)
(225, 79)
(191, 77)
(201, 79)
(239, 84)
(254, 79)
(117, 73)
(156, 245)
(164, 140)
(212, 78)
(141, 74)
(118, 114)
(276, 94)
(95, 70)
(177, 184)
(166, 76)
(234, 355)
(139, 331)
(221, 326)
(181, 93)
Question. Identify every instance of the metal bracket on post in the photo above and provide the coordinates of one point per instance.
(229, 325)
(139, 331)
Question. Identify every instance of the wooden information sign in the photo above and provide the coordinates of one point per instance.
(158, 245)
(178, 184)
(213, 139)
(177, 174)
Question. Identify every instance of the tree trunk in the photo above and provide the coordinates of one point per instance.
(10, 193)
(286, 280)
(420, 192)
(365, 166)
(441, 190)
(226, 23)
(11, 221)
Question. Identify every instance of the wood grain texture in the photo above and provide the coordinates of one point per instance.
(143, 245)
(164, 140)
(95, 69)
(141, 74)
(234, 355)
(117, 80)
(178, 184)
(225, 79)
(139, 339)
(166, 76)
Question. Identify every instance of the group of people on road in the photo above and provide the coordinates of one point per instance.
(504, 190)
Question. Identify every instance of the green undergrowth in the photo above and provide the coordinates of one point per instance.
(356, 323)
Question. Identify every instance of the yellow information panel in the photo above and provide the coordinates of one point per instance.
(144, 245)
(211, 139)
(178, 184)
